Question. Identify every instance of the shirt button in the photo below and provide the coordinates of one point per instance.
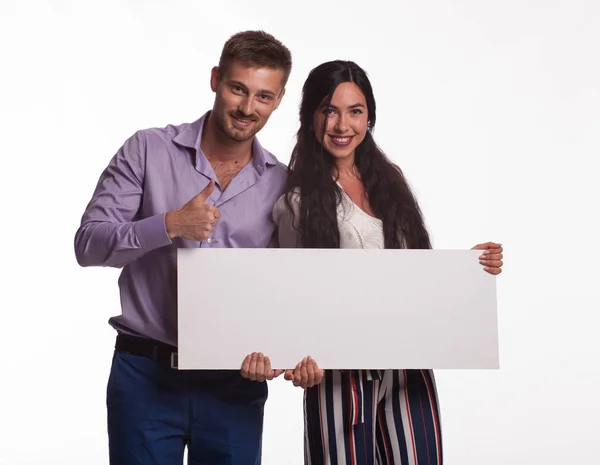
(209, 240)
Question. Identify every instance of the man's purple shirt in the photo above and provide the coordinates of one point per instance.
(157, 170)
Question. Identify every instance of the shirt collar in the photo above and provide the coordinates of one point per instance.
(191, 137)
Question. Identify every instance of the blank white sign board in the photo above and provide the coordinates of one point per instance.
(346, 308)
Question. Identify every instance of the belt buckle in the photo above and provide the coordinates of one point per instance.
(174, 360)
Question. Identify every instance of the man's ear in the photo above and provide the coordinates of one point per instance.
(215, 78)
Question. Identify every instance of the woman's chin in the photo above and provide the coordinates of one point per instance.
(340, 153)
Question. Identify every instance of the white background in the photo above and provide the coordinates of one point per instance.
(491, 108)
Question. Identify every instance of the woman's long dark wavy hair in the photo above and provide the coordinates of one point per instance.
(312, 170)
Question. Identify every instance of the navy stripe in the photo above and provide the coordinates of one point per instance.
(332, 421)
(431, 415)
(420, 408)
(389, 396)
(313, 424)
(375, 374)
(397, 396)
(384, 443)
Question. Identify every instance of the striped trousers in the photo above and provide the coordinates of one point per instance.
(387, 417)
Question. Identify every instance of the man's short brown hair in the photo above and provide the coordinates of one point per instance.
(257, 49)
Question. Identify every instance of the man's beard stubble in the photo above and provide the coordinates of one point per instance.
(233, 134)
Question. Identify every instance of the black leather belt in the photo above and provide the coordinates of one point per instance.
(160, 352)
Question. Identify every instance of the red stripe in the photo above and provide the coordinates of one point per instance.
(352, 398)
(355, 399)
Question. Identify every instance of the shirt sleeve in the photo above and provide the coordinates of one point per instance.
(111, 234)
(287, 221)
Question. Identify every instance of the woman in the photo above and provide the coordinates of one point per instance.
(344, 193)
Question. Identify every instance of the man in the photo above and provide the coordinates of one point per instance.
(204, 184)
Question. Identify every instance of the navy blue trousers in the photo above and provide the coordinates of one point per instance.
(154, 412)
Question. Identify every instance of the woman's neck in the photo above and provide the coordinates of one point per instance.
(345, 167)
